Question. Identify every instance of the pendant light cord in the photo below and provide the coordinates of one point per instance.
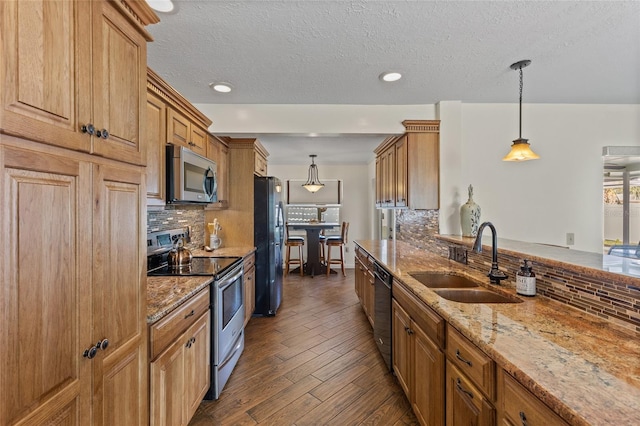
(520, 128)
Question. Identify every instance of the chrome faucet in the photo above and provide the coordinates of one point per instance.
(495, 275)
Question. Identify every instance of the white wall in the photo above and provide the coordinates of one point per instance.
(541, 200)
(537, 201)
(355, 181)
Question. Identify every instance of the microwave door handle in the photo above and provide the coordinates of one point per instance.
(209, 174)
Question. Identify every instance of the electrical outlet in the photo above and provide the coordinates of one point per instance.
(570, 239)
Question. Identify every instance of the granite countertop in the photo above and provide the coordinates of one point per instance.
(583, 367)
(164, 294)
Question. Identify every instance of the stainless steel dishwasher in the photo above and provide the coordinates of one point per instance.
(382, 309)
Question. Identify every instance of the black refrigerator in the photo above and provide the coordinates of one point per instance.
(268, 238)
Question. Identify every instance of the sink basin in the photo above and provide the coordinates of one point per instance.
(475, 295)
(443, 280)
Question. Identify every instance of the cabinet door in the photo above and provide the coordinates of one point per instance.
(167, 386)
(198, 140)
(370, 296)
(45, 74)
(465, 404)
(379, 197)
(45, 290)
(178, 128)
(401, 346)
(197, 364)
(249, 294)
(423, 170)
(359, 278)
(401, 172)
(156, 137)
(428, 379)
(119, 76)
(119, 301)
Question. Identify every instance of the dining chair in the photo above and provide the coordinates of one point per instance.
(293, 241)
(337, 241)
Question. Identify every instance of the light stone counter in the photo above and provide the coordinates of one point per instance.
(584, 368)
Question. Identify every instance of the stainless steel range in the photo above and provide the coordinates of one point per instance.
(227, 300)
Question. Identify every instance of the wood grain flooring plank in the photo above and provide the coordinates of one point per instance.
(389, 412)
(310, 367)
(366, 404)
(339, 364)
(332, 407)
(283, 399)
(290, 414)
(334, 384)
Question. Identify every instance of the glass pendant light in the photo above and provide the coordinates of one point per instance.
(520, 150)
(313, 183)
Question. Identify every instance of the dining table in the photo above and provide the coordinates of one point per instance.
(313, 265)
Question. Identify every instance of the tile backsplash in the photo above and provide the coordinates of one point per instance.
(181, 216)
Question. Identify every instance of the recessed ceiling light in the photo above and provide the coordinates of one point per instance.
(164, 6)
(390, 76)
(220, 87)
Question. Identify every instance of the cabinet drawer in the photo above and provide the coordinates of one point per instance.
(522, 407)
(429, 321)
(170, 327)
(249, 262)
(471, 361)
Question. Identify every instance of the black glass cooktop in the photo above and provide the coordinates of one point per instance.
(204, 266)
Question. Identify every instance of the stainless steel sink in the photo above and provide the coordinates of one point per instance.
(475, 295)
(443, 280)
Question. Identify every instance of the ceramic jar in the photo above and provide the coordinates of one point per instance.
(470, 216)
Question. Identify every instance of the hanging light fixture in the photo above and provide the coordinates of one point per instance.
(313, 183)
(520, 150)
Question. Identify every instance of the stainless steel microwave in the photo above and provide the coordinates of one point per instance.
(191, 178)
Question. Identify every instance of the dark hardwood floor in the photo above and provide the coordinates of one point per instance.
(313, 363)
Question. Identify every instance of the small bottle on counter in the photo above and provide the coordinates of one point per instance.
(526, 280)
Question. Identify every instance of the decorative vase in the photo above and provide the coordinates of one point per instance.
(470, 216)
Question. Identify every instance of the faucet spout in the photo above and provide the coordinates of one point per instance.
(495, 275)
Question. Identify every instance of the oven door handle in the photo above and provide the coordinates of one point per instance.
(228, 280)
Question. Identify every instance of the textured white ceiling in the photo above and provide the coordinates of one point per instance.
(332, 52)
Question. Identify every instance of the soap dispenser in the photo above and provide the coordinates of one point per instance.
(526, 280)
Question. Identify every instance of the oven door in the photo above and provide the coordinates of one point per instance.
(228, 312)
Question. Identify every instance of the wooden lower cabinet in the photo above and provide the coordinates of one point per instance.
(517, 406)
(365, 286)
(466, 405)
(73, 276)
(180, 376)
(180, 370)
(419, 366)
(249, 287)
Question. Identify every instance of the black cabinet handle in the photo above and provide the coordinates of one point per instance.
(102, 344)
(104, 134)
(88, 128)
(523, 418)
(90, 353)
(190, 314)
(462, 359)
(463, 390)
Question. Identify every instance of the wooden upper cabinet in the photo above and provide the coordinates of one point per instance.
(401, 195)
(182, 131)
(73, 70)
(45, 70)
(260, 162)
(407, 167)
(156, 153)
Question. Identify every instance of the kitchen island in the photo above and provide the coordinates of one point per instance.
(584, 368)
